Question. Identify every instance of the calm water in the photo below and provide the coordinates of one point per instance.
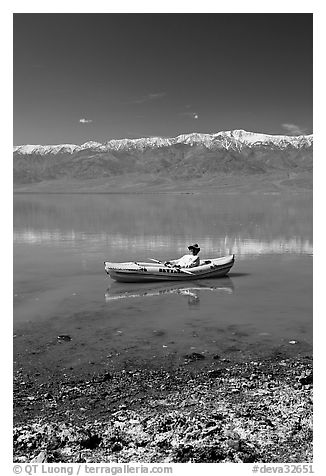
(61, 241)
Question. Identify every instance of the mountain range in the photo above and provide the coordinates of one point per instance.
(185, 156)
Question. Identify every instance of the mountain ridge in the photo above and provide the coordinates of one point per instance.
(187, 156)
(227, 139)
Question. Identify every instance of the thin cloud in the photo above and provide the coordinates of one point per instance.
(191, 114)
(149, 97)
(156, 95)
(294, 130)
(85, 121)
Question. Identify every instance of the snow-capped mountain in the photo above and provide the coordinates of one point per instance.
(236, 140)
(185, 156)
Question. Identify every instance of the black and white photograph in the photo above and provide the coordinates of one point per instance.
(162, 241)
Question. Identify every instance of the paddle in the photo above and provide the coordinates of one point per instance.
(182, 270)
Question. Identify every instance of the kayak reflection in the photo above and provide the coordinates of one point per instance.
(192, 291)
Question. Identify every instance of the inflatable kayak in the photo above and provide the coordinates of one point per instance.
(132, 272)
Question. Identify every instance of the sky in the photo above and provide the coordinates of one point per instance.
(80, 77)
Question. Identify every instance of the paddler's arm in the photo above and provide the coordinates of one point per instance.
(171, 262)
(196, 262)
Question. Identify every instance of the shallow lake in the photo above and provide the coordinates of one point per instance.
(61, 242)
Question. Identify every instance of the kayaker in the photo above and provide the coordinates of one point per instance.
(187, 261)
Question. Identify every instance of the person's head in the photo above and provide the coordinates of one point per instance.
(194, 249)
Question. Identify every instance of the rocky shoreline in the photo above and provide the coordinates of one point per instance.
(197, 411)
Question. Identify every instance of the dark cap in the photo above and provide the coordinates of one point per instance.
(194, 247)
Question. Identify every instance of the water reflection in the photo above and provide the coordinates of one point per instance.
(192, 291)
(123, 228)
(227, 244)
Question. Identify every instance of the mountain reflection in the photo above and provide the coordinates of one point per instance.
(191, 291)
(163, 243)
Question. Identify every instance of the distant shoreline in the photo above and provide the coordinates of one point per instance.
(147, 184)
